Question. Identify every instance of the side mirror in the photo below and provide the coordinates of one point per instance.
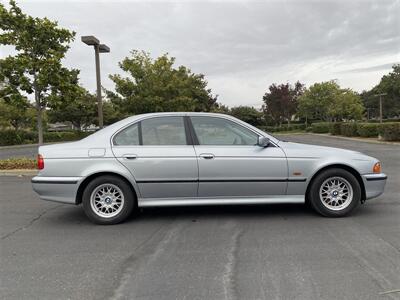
(263, 141)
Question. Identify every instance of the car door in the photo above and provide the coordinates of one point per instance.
(158, 153)
(231, 164)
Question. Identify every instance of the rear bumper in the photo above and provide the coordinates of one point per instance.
(374, 184)
(58, 189)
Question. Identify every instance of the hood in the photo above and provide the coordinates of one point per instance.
(307, 150)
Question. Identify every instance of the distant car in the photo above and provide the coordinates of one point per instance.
(178, 159)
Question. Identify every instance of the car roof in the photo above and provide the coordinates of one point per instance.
(179, 114)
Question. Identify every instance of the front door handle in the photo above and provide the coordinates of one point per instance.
(129, 156)
(207, 155)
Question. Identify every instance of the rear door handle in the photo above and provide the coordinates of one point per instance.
(207, 155)
(129, 156)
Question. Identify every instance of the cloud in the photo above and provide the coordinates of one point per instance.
(241, 47)
(385, 67)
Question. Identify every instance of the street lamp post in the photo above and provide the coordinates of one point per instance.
(98, 48)
(380, 106)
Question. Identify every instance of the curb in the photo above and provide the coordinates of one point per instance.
(19, 172)
(355, 139)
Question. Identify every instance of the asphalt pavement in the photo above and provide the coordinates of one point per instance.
(29, 151)
(51, 251)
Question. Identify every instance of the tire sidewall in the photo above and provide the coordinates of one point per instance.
(126, 210)
(316, 201)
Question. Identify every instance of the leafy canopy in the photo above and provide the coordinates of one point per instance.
(36, 67)
(248, 114)
(155, 85)
(76, 106)
(280, 102)
(40, 46)
(327, 101)
(389, 85)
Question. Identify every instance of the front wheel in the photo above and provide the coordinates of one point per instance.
(335, 193)
(108, 200)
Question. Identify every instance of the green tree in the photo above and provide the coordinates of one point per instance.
(316, 100)
(36, 68)
(347, 106)
(13, 106)
(327, 101)
(280, 102)
(389, 85)
(154, 85)
(17, 116)
(77, 106)
(220, 108)
(111, 114)
(248, 114)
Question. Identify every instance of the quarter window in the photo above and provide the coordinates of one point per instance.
(164, 131)
(128, 136)
(218, 131)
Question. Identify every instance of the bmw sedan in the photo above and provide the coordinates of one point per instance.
(175, 159)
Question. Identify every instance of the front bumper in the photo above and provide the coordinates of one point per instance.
(58, 189)
(374, 184)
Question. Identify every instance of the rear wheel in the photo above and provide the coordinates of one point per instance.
(334, 193)
(108, 200)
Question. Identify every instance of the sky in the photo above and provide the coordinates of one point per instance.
(241, 47)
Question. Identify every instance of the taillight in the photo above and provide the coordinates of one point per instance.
(377, 168)
(40, 162)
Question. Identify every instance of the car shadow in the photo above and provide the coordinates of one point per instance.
(227, 211)
(75, 215)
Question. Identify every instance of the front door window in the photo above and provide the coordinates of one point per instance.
(218, 131)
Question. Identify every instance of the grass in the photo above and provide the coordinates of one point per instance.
(17, 163)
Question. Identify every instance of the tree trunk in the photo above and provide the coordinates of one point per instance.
(39, 124)
(77, 125)
(39, 115)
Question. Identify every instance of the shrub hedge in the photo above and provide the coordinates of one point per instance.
(389, 131)
(18, 137)
(284, 127)
(58, 136)
(368, 129)
(335, 128)
(348, 129)
(321, 127)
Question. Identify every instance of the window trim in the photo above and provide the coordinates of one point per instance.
(140, 133)
(188, 137)
(196, 140)
(191, 138)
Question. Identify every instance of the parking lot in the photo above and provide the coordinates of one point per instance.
(51, 251)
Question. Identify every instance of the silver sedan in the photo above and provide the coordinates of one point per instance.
(172, 159)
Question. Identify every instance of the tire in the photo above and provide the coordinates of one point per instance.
(334, 193)
(108, 200)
